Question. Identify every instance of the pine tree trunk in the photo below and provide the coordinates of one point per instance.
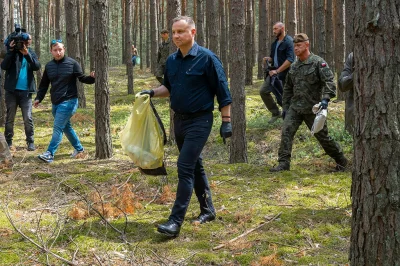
(173, 10)
(223, 51)
(102, 93)
(57, 19)
(37, 38)
(148, 44)
(291, 17)
(249, 43)
(154, 34)
(238, 153)
(329, 36)
(375, 228)
(72, 46)
(339, 41)
(213, 25)
(349, 27)
(4, 31)
(262, 36)
(200, 39)
(320, 28)
(128, 46)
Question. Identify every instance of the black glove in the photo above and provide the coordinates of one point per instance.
(149, 92)
(283, 114)
(324, 103)
(225, 130)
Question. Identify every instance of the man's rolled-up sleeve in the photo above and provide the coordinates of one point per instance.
(217, 79)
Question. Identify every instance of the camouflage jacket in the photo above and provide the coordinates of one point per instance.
(307, 83)
(163, 52)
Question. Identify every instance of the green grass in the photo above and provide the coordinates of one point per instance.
(313, 229)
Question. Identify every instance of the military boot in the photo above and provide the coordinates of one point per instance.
(274, 118)
(341, 164)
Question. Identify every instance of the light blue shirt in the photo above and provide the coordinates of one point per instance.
(276, 55)
(22, 83)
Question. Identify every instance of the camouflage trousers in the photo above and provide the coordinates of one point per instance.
(5, 155)
(291, 124)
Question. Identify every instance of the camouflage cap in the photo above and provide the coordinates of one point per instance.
(301, 37)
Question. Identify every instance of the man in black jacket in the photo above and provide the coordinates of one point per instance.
(62, 73)
(281, 57)
(19, 86)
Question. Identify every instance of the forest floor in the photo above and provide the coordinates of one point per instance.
(104, 212)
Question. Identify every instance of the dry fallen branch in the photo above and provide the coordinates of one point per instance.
(247, 232)
(42, 248)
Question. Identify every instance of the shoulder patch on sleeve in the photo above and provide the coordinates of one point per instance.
(323, 64)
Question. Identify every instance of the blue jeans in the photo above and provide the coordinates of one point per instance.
(23, 99)
(62, 114)
(191, 136)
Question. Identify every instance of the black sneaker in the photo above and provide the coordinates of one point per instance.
(281, 167)
(31, 146)
(46, 156)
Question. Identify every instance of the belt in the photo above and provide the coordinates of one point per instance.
(190, 116)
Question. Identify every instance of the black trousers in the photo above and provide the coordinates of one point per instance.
(191, 135)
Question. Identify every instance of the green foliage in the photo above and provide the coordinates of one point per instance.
(313, 229)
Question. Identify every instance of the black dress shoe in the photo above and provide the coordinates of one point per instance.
(170, 228)
(204, 217)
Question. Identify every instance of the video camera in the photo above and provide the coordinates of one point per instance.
(19, 36)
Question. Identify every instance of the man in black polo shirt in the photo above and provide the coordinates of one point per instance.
(193, 77)
(281, 57)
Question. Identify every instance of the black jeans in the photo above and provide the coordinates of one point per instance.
(191, 136)
(23, 99)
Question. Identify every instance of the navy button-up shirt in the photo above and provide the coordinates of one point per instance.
(194, 80)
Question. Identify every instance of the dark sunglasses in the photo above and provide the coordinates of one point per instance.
(56, 41)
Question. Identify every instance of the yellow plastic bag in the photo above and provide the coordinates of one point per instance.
(142, 137)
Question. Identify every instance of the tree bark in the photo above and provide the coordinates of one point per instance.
(128, 45)
(291, 14)
(200, 38)
(102, 93)
(375, 227)
(154, 34)
(223, 52)
(57, 19)
(37, 38)
(320, 28)
(4, 31)
(330, 37)
(238, 153)
(262, 36)
(249, 43)
(339, 41)
(213, 25)
(173, 10)
(72, 46)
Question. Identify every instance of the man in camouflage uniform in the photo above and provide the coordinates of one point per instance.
(163, 53)
(308, 82)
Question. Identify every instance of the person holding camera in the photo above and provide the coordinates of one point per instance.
(281, 57)
(162, 55)
(19, 85)
(193, 77)
(62, 73)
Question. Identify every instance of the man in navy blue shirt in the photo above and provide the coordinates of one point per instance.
(193, 77)
(281, 57)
